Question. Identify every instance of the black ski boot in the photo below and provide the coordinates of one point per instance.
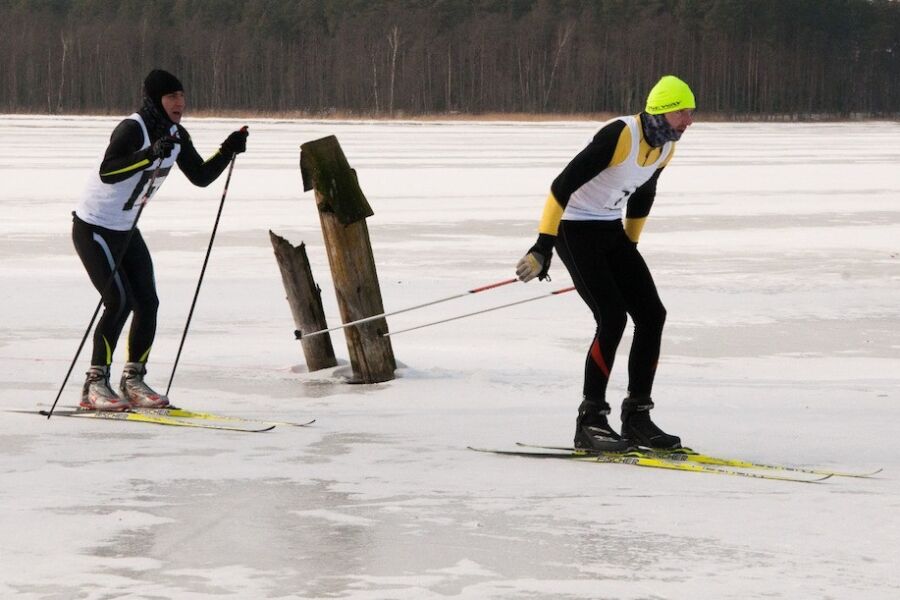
(639, 430)
(592, 430)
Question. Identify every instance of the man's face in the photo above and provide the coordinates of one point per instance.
(174, 104)
(680, 120)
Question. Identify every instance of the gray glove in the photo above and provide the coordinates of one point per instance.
(536, 261)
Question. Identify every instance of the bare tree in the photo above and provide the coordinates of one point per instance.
(64, 42)
(449, 78)
(562, 38)
(375, 83)
(394, 44)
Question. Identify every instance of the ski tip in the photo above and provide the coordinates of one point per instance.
(28, 411)
(59, 412)
(488, 450)
(291, 423)
(861, 475)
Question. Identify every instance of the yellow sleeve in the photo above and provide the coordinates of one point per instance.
(551, 216)
(633, 228)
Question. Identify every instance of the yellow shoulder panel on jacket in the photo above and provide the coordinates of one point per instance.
(669, 157)
(623, 147)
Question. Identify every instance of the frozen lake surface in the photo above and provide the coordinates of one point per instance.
(776, 249)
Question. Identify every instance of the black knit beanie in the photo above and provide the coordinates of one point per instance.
(159, 83)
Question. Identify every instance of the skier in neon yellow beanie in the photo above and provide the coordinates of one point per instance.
(593, 218)
(668, 95)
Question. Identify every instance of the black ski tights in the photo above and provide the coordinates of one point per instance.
(613, 280)
(133, 289)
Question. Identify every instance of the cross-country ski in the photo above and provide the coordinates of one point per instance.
(153, 419)
(688, 455)
(639, 459)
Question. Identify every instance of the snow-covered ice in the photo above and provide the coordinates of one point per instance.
(776, 249)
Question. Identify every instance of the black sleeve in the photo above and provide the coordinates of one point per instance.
(199, 173)
(642, 199)
(588, 163)
(124, 155)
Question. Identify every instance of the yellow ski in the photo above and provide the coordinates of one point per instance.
(147, 418)
(686, 455)
(638, 459)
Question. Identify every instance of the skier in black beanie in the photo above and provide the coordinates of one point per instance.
(142, 150)
(157, 84)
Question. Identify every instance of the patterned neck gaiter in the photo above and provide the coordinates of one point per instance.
(657, 130)
(156, 120)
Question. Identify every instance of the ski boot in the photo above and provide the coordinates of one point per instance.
(592, 430)
(97, 394)
(138, 393)
(638, 429)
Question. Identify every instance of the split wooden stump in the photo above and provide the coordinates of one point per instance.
(343, 210)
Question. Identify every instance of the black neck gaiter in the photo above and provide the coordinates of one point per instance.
(156, 120)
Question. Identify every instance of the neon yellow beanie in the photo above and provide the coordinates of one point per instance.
(668, 95)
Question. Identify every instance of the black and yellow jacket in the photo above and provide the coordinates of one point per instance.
(617, 168)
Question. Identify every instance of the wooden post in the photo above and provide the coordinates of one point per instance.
(343, 209)
(305, 300)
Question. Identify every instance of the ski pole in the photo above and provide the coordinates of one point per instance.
(479, 312)
(202, 271)
(112, 277)
(300, 335)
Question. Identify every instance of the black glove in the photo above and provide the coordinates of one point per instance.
(536, 261)
(236, 142)
(162, 148)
